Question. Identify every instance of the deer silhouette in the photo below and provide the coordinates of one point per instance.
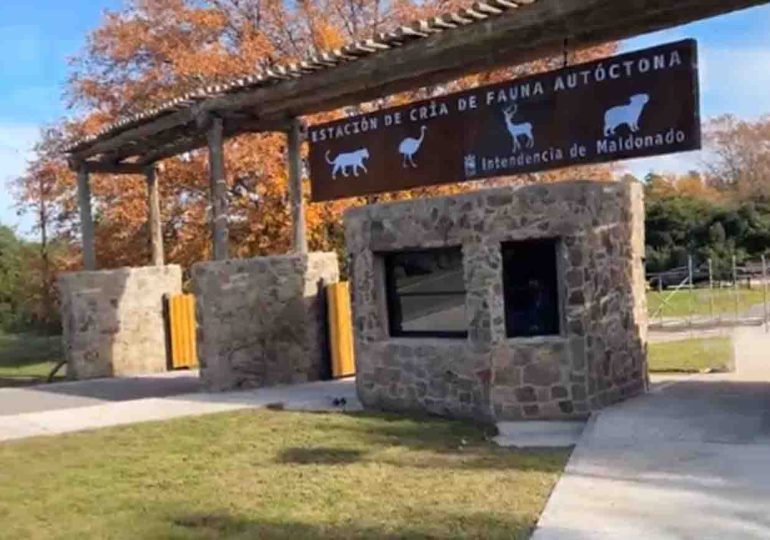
(409, 147)
(518, 130)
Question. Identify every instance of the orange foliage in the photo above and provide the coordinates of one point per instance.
(691, 185)
(156, 49)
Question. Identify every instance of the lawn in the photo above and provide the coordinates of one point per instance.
(723, 299)
(691, 355)
(274, 474)
(28, 358)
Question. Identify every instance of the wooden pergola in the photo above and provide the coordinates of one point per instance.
(486, 35)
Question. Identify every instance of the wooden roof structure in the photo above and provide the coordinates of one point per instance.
(485, 35)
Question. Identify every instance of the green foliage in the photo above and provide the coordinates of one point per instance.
(12, 283)
(21, 286)
(678, 224)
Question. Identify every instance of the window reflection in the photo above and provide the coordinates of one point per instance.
(426, 293)
(529, 286)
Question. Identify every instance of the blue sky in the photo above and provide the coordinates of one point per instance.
(37, 37)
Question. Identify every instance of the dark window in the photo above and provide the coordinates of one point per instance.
(426, 293)
(529, 286)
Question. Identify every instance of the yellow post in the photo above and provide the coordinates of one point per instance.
(182, 325)
(341, 330)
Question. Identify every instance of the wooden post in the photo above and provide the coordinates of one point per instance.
(299, 240)
(86, 219)
(218, 187)
(153, 216)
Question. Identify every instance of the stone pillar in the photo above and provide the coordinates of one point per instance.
(86, 220)
(261, 321)
(113, 322)
(218, 187)
(154, 219)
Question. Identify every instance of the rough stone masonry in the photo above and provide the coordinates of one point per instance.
(598, 358)
(113, 321)
(261, 321)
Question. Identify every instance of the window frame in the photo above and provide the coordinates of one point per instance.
(555, 244)
(393, 304)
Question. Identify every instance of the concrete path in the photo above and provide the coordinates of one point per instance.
(67, 395)
(690, 460)
(310, 396)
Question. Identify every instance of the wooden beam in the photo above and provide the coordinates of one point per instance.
(218, 186)
(180, 146)
(529, 32)
(141, 131)
(196, 140)
(515, 37)
(153, 216)
(111, 168)
(86, 220)
(294, 147)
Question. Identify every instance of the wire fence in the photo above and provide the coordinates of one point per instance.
(710, 294)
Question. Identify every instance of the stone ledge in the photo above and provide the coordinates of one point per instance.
(542, 434)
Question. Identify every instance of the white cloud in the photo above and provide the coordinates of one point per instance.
(734, 79)
(672, 163)
(16, 144)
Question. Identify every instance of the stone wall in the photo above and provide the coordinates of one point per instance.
(113, 320)
(260, 321)
(600, 355)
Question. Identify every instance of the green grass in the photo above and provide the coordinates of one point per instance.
(724, 301)
(274, 474)
(691, 355)
(27, 358)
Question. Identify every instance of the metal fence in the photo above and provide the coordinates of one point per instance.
(698, 295)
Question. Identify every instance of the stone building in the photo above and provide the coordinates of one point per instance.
(113, 322)
(503, 304)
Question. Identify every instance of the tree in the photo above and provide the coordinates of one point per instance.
(738, 161)
(45, 193)
(153, 50)
(687, 217)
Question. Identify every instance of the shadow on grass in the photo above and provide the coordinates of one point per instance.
(433, 442)
(433, 525)
(319, 456)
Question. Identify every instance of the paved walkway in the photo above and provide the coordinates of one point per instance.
(66, 417)
(68, 395)
(690, 460)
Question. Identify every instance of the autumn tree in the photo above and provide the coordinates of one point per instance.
(738, 156)
(45, 194)
(152, 50)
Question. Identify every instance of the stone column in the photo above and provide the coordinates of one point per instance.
(154, 220)
(86, 219)
(218, 186)
(299, 239)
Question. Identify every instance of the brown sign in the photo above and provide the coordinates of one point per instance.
(638, 104)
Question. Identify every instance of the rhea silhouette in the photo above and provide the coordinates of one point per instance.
(409, 147)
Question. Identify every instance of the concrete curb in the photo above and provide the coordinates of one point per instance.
(539, 434)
